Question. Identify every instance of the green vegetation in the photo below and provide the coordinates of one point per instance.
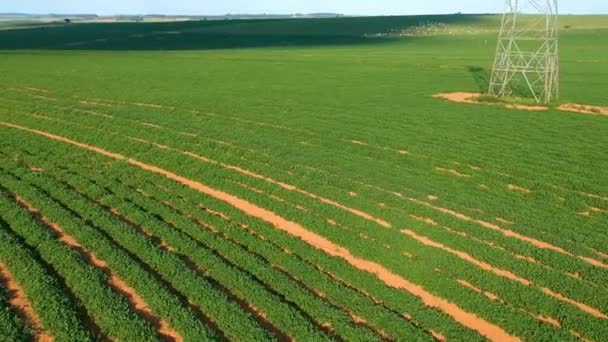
(127, 229)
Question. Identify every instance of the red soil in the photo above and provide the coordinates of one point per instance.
(467, 319)
(467, 257)
(18, 300)
(459, 97)
(452, 172)
(592, 311)
(505, 221)
(426, 220)
(472, 98)
(136, 302)
(584, 109)
(40, 90)
(580, 336)
(88, 102)
(526, 107)
(513, 187)
(357, 142)
(509, 233)
(468, 285)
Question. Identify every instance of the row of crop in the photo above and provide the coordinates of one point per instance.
(194, 122)
(291, 261)
(391, 322)
(193, 119)
(434, 184)
(277, 259)
(394, 299)
(575, 319)
(512, 317)
(575, 265)
(514, 292)
(263, 287)
(12, 327)
(109, 310)
(302, 295)
(547, 257)
(45, 289)
(92, 227)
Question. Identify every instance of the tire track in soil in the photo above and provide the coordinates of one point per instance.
(17, 298)
(213, 230)
(431, 222)
(159, 278)
(503, 273)
(468, 258)
(509, 233)
(589, 260)
(586, 259)
(541, 318)
(467, 319)
(119, 285)
(401, 151)
(283, 185)
(227, 219)
(260, 237)
(195, 268)
(258, 315)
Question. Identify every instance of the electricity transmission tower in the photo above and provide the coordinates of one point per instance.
(527, 61)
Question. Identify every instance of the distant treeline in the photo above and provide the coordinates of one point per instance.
(129, 17)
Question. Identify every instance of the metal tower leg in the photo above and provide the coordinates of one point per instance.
(527, 60)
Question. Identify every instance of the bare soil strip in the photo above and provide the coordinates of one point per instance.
(473, 98)
(468, 285)
(505, 221)
(149, 105)
(580, 336)
(94, 113)
(40, 90)
(42, 97)
(18, 300)
(529, 259)
(600, 254)
(283, 185)
(513, 187)
(509, 233)
(88, 102)
(119, 285)
(452, 172)
(467, 257)
(584, 109)
(592, 311)
(467, 319)
(543, 318)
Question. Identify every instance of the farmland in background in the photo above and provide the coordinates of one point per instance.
(295, 179)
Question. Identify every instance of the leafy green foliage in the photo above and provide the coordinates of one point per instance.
(317, 121)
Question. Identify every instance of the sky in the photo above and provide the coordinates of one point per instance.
(213, 7)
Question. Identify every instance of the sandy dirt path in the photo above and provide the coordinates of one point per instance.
(18, 300)
(136, 302)
(470, 320)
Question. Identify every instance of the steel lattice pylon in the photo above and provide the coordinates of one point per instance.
(527, 61)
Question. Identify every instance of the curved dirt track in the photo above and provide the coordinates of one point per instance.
(467, 319)
(18, 299)
(118, 284)
(509, 233)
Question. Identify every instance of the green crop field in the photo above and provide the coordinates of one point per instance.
(297, 180)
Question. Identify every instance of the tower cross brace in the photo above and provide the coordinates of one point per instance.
(527, 53)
